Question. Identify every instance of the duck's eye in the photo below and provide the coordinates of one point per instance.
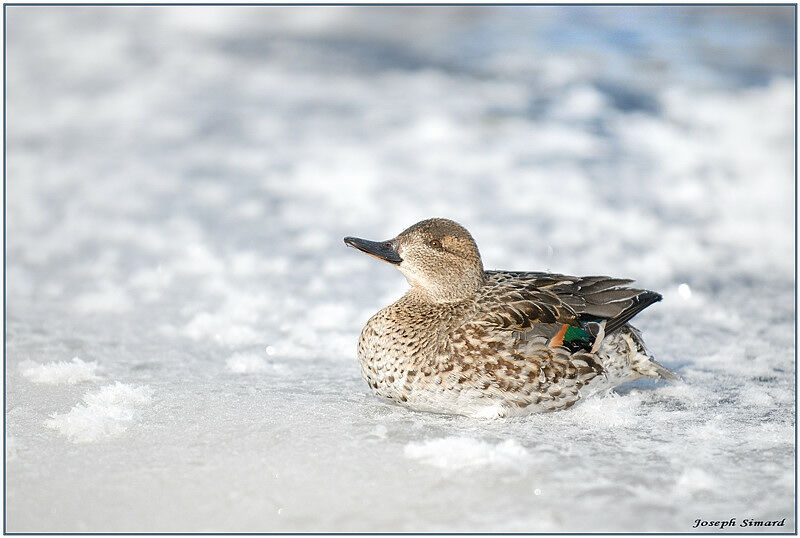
(435, 244)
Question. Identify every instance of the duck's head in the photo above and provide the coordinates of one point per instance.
(438, 257)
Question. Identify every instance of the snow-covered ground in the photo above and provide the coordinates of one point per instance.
(182, 314)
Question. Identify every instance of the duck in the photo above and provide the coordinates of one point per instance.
(491, 344)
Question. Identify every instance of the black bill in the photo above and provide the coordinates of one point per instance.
(382, 250)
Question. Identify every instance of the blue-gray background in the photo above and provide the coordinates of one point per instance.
(178, 184)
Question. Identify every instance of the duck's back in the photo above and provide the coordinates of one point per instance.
(582, 314)
(520, 300)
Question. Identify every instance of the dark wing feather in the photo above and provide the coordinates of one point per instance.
(517, 300)
(517, 304)
(635, 305)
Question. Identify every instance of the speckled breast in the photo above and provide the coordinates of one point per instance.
(402, 347)
(389, 358)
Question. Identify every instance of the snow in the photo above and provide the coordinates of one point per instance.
(685, 291)
(54, 373)
(245, 363)
(460, 452)
(104, 413)
(694, 481)
(179, 181)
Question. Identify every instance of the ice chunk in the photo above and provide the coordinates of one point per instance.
(103, 413)
(610, 410)
(463, 452)
(695, 480)
(54, 373)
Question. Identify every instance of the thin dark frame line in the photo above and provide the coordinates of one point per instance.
(5, 312)
(406, 4)
(795, 267)
(373, 4)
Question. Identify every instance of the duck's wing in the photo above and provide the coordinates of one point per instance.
(527, 298)
(509, 302)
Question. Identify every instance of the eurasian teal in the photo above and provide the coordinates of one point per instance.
(496, 343)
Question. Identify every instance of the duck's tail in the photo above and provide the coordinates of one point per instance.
(641, 361)
(626, 346)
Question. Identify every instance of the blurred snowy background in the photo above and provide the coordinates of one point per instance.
(182, 314)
